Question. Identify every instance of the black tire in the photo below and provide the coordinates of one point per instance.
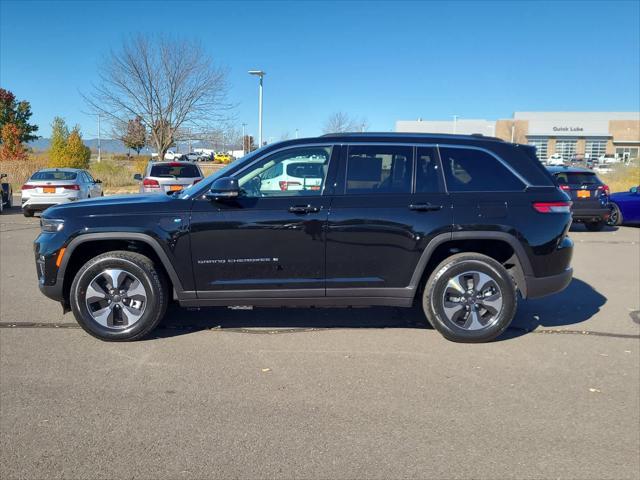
(615, 218)
(454, 267)
(142, 268)
(27, 213)
(594, 226)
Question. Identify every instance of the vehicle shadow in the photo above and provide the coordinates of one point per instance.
(576, 304)
(581, 227)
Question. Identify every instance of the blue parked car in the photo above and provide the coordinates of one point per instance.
(625, 207)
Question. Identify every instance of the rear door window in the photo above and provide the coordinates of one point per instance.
(470, 170)
(171, 170)
(379, 169)
(428, 177)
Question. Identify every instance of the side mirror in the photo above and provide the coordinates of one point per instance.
(98, 180)
(224, 188)
(3, 175)
(137, 177)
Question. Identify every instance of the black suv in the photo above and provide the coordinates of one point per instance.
(590, 196)
(458, 224)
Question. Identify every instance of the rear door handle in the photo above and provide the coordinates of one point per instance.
(425, 207)
(303, 209)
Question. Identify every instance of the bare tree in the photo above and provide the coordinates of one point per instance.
(341, 122)
(172, 85)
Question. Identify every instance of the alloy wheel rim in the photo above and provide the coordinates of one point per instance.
(472, 300)
(116, 299)
(613, 216)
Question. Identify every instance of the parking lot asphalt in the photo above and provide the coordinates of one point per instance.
(326, 393)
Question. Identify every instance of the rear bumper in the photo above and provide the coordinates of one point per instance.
(542, 286)
(591, 214)
(40, 203)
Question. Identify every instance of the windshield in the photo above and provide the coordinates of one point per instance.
(206, 183)
(54, 175)
(174, 170)
(577, 178)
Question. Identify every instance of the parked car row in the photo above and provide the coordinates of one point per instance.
(195, 156)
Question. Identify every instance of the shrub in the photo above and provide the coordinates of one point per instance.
(19, 171)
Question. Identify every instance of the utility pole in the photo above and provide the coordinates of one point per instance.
(243, 140)
(99, 146)
(296, 133)
(455, 124)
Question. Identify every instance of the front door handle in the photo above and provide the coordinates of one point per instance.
(425, 207)
(303, 209)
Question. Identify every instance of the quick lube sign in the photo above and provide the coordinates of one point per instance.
(569, 128)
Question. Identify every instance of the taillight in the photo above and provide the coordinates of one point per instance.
(552, 207)
(26, 186)
(565, 187)
(150, 183)
(71, 187)
(285, 185)
(604, 188)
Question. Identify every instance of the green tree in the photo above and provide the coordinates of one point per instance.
(135, 136)
(77, 153)
(58, 147)
(67, 148)
(18, 113)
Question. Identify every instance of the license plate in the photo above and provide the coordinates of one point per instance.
(175, 188)
(584, 193)
(49, 189)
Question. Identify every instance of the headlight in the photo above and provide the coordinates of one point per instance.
(51, 225)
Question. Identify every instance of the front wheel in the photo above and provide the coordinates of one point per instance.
(119, 296)
(470, 298)
(27, 213)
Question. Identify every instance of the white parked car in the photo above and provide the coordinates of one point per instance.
(555, 160)
(608, 158)
(294, 174)
(53, 186)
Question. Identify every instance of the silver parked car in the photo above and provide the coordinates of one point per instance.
(167, 177)
(53, 186)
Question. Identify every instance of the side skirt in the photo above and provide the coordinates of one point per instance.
(299, 302)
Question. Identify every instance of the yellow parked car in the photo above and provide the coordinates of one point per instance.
(222, 158)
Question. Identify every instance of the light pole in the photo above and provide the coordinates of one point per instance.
(243, 140)
(455, 124)
(260, 74)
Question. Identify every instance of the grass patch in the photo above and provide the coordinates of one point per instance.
(623, 177)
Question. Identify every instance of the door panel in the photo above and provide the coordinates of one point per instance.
(262, 244)
(375, 238)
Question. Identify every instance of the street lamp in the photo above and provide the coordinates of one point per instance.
(260, 74)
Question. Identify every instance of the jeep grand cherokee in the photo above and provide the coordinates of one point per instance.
(462, 225)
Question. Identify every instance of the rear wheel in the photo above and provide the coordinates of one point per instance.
(470, 297)
(615, 217)
(594, 226)
(119, 296)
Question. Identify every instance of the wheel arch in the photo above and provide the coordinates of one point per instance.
(87, 246)
(500, 246)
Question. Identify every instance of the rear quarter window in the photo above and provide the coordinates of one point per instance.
(469, 170)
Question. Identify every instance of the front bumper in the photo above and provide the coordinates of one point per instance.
(542, 286)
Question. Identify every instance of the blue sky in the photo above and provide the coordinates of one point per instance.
(384, 61)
